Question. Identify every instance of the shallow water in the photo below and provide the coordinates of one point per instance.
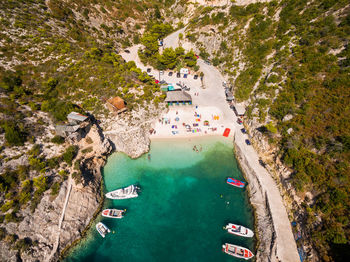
(181, 210)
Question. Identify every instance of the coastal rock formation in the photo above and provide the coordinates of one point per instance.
(134, 143)
(42, 228)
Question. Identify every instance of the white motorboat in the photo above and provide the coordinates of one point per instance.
(102, 229)
(123, 193)
(113, 213)
(239, 230)
(237, 251)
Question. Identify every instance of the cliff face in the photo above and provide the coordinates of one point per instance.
(134, 143)
(56, 223)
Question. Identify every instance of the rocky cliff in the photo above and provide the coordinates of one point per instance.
(75, 204)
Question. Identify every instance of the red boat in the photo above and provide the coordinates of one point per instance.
(235, 182)
(237, 251)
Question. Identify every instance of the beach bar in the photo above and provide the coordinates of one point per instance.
(178, 97)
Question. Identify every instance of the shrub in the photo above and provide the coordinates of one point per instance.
(87, 150)
(13, 135)
(77, 176)
(36, 163)
(270, 127)
(70, 154)
(57, 139)
(22, 171)
(63, 174)
(23, 245)
(55, 188)
(24, 197)
(7, 206)
(34, 151)
(40, 183)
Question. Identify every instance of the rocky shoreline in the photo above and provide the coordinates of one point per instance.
(57, 222)
(265, 232)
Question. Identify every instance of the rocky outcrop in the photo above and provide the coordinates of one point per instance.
(41, 228)
(134, 143)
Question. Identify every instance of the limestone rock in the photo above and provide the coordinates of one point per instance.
(42, 226)
(134, 143)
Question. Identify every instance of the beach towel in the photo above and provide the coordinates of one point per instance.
(226, 132)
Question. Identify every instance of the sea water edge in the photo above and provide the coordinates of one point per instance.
(162, 153)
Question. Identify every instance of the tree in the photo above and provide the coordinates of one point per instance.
(40, 183)
(168, 58)
(161, 30)
(150, 42)
(180, 51)
(190, 59)
(70, 154)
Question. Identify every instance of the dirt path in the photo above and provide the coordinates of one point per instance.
(213, 95)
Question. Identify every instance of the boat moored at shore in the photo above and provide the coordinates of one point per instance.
(234, 182)
(113, 213)
(237, 251)
(102, 229)
(239, 230)
(124, 193)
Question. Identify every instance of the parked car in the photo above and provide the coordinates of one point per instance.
(185, 75)
(170, 74)
(262, 163)
(195, 77)
(239, 121)
(247, 142)
(244, 131)
(149, 70)
(178, 75)
(207, 62)
(161, 72)
(127, 51)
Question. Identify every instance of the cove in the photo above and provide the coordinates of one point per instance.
(182, 208)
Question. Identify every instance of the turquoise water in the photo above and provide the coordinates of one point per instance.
(181, 210)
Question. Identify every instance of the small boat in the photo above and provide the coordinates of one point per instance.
(113, 213)
(102, 229)
(239, 230)
(237, 251)
(124, 193)
(235, 182)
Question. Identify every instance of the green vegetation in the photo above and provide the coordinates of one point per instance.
(70, 154)
(57, 140)
(13, 134)
(170, 58)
